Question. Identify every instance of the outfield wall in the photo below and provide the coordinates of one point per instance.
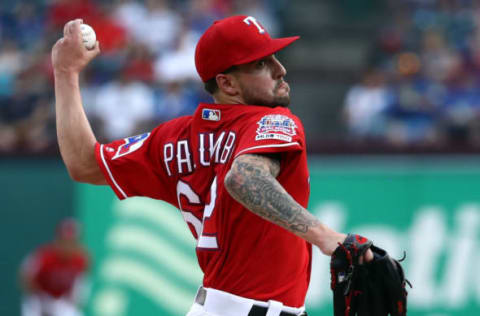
(34, 196)
(144, 254)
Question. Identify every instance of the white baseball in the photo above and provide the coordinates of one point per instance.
(88, 35)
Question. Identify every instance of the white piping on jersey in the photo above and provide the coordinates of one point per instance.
(110, 173)
(267, 146)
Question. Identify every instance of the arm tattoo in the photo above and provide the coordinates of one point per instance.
(251, 181)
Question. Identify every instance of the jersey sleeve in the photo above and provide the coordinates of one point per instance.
(131, 167)
(275, 131)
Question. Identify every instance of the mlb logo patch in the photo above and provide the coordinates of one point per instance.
(211, 115)
(131, 144)
(276, 126)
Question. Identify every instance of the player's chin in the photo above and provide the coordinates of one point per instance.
(283, 101)
(282, 96)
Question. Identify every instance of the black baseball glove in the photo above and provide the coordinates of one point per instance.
(376, 288)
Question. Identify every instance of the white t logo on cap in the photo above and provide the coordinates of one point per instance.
(249, 19)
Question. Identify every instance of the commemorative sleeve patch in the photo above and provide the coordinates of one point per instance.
(276, 126)
(131, 144)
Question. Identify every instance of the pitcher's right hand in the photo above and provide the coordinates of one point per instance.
(69, 54)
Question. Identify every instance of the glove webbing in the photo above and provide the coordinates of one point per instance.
(333, 278)
(348, 297)
(352, 241)
(348, 276)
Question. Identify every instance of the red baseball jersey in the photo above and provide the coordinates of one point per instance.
(55, 272)
(184, 162)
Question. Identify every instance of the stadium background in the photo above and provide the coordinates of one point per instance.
(387, 90)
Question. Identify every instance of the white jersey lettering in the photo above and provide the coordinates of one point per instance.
(202, 150)
(184, 156)
(217, 146)
(210, 150)
(168, 156)
(227, 149)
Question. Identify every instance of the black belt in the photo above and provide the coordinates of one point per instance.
(255, 311)
(262, 311)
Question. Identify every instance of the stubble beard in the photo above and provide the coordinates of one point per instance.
(251, 97)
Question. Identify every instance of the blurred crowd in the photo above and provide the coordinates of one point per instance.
(144, 75)
(420, 87)
(422, 84)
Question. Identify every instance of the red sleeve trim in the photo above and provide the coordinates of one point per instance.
(269, 148)
(99, 155)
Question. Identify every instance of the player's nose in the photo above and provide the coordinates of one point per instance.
(279, 70)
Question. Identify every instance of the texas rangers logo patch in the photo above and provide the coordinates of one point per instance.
(276, 126)
(131, 144)
(211, 115)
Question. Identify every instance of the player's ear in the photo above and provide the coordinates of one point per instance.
(227, 84)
